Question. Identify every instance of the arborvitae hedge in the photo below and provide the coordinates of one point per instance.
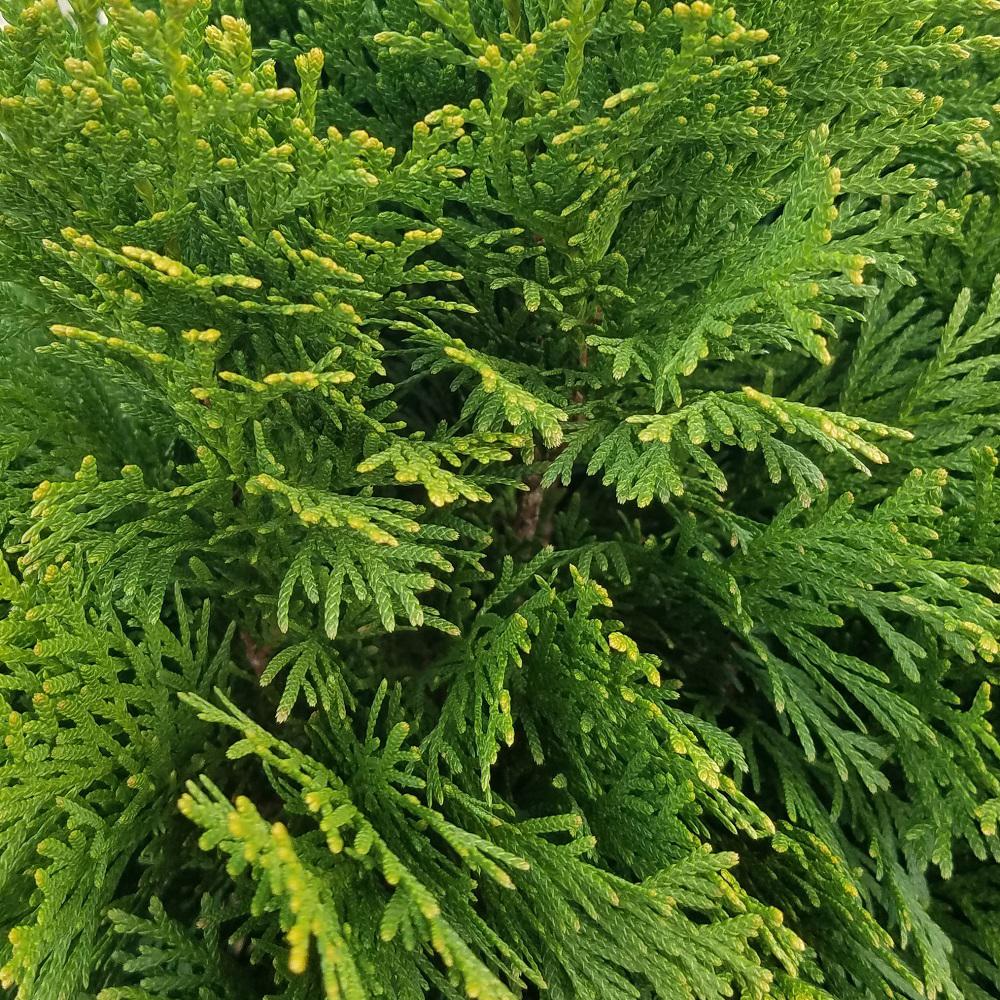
(499, 499)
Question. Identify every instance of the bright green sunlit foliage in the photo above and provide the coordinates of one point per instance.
(498, 499)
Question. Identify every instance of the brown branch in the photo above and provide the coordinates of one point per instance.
(529, 508)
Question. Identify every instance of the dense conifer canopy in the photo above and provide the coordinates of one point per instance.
(498, 499)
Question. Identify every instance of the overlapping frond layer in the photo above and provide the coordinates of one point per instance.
(499, 499)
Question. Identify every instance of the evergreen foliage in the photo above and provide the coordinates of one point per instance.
(499, 500)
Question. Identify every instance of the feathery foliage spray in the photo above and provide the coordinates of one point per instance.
(498, 499)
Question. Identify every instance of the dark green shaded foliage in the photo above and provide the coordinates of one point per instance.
(499, 499)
